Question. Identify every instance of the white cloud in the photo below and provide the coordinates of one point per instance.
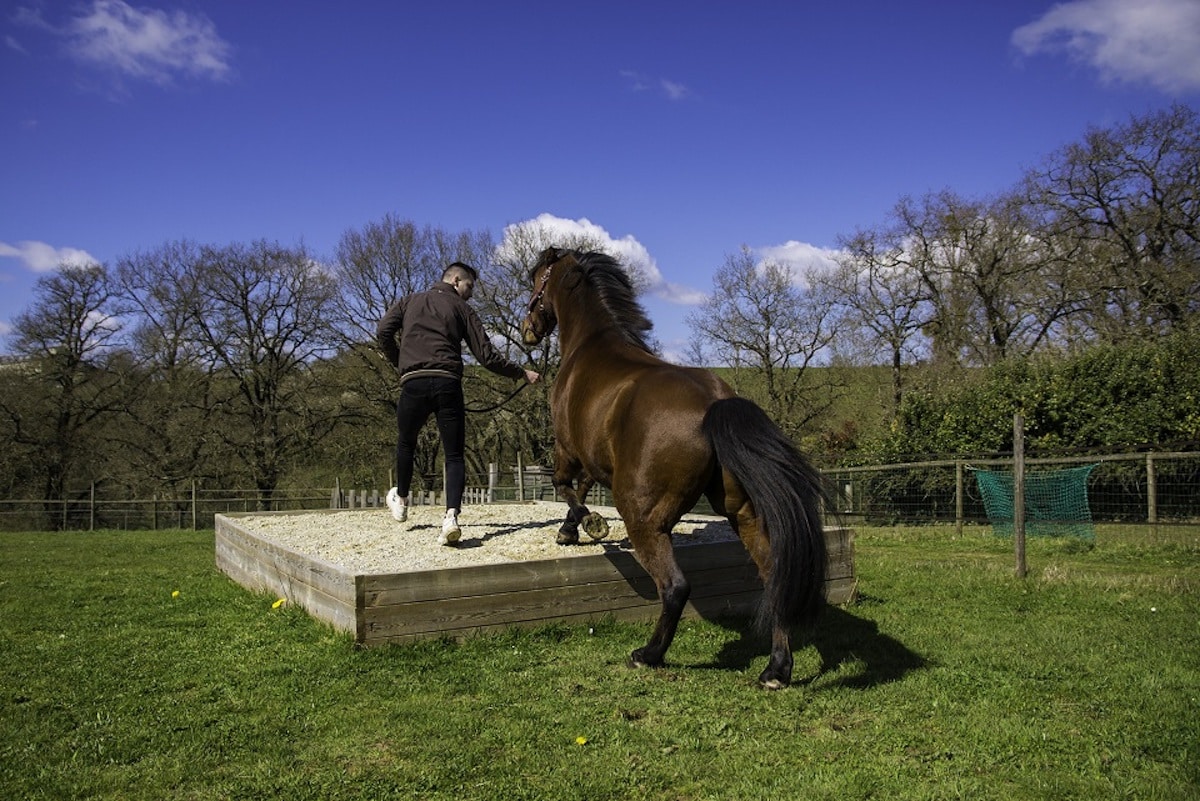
(12, 44)
(800, 258)
(141, 43)
(1126, 41)
(631, 252)
(672, 90)
(679, 294)
(42, 258)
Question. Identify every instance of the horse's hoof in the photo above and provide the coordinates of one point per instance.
(567, 537)
(637, 659)
(769, 681)
(596, 526)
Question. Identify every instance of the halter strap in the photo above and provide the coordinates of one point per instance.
(538, 297)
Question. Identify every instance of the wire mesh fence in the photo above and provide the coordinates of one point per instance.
(1157, 492)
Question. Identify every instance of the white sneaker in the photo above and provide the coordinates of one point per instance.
(450, 530)
(399, 508)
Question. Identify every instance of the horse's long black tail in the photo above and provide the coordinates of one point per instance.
(787, 494)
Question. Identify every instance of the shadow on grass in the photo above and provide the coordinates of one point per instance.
(844, 640)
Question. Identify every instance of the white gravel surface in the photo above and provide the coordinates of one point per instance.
(369, 541)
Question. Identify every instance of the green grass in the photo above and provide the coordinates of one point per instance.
(949, 679)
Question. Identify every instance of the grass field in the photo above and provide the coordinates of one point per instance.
(132, 669)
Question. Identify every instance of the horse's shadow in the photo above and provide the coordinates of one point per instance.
(841, 638)
(500, 531)
(468, 543)
(505, 530)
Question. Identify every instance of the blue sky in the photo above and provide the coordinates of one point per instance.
(683, 131)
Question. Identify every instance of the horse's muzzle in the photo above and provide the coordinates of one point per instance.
(529, 335)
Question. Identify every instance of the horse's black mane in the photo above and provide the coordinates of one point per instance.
(615, 293)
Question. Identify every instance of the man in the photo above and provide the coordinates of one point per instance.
(422, 335)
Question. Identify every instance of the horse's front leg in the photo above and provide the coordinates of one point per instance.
(578, 514)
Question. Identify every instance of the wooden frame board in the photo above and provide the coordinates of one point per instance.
(398, 607)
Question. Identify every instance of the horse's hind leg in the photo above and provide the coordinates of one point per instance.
(655, 553)
(778, 673)
(595, 525)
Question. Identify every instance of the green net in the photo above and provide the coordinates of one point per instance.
(1056, 502)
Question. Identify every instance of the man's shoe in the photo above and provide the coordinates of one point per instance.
(399, 508)
(450, 530)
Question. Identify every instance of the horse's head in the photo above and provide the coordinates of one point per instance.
(540, 318)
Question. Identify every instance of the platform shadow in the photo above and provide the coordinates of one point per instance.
(842, 639)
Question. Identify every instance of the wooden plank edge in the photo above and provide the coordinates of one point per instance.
(484, 580)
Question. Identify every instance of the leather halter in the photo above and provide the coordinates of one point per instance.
(538, 298)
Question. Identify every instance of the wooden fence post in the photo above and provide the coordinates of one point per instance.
(958, 496)
(1019, 492)
(1151, 490)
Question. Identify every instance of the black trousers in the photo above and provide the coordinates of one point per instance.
(443, 398)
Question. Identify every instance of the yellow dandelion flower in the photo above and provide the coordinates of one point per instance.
(175, 594)
(580, 741)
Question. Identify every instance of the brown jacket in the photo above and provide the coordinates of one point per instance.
(425, 331)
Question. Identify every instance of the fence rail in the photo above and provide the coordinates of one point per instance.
(92, 508)
(1157, 488)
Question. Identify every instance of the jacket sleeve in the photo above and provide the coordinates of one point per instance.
(385, 332)
(484, 351)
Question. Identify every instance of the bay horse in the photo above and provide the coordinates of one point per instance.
(660, 436)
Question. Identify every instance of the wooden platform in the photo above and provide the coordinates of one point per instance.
(381, 608)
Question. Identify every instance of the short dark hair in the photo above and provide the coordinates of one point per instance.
(460, 265)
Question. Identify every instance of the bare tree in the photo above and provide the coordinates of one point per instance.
(880, 295)
(263, 321)
(1125, 202)
(157, 293)
(761, 322)
(72, 380)
(982, 272)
